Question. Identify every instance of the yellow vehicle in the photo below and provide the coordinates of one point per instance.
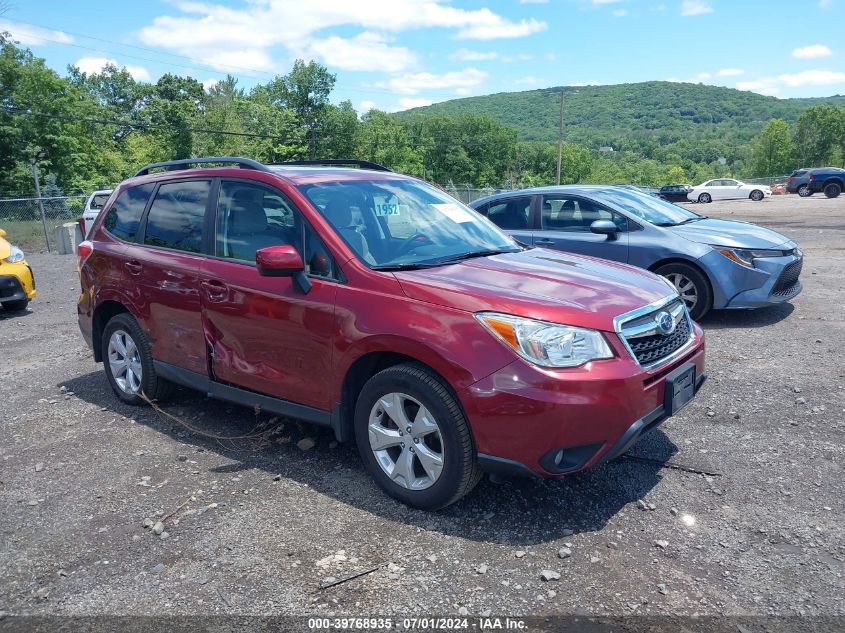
(17, 285)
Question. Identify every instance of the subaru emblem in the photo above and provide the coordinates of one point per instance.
(665, 323)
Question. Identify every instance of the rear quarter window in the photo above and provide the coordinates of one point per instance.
(124, 216)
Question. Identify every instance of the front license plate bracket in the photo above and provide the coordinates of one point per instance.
(679, 388)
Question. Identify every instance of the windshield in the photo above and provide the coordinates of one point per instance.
(405, 223)
(646, 207)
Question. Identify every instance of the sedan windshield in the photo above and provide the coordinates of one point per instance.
(645, 207)
(397, 224)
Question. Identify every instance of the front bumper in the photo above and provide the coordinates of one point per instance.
(17, 282)
(740, 287)
(521, 414)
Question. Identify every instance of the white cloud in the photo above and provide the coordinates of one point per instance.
(366, 51)
(813, 78)
(226, 37)
(208, 84)
(366, 106)
(34, 35)
(94, 65)
(501, 28)
(811, 52)
(407, 103)
(620, 13)
(730, 72)
(466, 55)
(695, 7)
(414, 83)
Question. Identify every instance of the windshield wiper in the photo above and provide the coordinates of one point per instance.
(695, 219)
(473, 254)
(406, 266)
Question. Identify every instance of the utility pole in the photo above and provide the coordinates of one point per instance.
(33, 162)
(560, 140)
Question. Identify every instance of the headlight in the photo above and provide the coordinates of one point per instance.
(745, 256)
(15, 256)
(546, 344)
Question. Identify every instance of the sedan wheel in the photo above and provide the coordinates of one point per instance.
(705, 198)
(686, 288)
(125, 362)
(406, 442)
(757, 195)
(804, 191)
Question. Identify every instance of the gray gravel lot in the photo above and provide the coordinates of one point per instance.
(256, 527)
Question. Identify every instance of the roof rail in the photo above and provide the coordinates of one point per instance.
(326, 162)
(171, 165)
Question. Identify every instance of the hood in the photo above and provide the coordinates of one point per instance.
(731, 233)
(5, 248)
(540, 284)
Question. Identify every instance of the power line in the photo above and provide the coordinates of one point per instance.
(437, 141)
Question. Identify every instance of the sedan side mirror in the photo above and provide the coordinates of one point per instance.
(605, 227)
(282, 261)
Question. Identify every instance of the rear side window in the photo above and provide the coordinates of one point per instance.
(511, 214)
(176, 216)
(125, 214)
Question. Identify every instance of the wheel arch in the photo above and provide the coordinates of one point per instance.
(365, 367)
(834, 181)
(688, 262)
(102, 315)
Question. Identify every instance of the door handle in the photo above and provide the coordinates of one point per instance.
(215, 288)
(134, 267)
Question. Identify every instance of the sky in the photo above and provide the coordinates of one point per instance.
(398, 54)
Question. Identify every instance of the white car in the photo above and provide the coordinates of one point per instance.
(727, 189)
(93, 205)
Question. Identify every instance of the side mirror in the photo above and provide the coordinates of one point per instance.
(605, 227)
(282, 261)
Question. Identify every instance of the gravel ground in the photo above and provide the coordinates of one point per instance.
(255, 527)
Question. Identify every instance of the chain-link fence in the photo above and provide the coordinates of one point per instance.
(771, 180)
(25, 224)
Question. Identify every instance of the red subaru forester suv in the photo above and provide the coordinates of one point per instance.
(379, 306)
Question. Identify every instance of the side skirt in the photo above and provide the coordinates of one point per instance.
(245, 397)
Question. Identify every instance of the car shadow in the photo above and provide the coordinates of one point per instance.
(13, 314)
(759, 317)
(515, 512)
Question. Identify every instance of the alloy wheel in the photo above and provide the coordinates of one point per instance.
(804, 191)
(125, 362)
(686, 288)
(405, 440)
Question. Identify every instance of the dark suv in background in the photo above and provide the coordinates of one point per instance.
(379, 306)
(805, 182)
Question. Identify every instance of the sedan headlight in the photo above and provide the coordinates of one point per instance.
(15, 256)
(746, 256)
(546, 344)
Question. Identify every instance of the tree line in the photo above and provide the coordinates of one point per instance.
(88, 131)
(816, 140)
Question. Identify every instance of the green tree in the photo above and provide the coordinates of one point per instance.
(819, 135)
(773, 150)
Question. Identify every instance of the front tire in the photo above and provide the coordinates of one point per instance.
(128, 361)
(705, 198)
(756, 195)
(16, 306)
(832, 190)
(804, 191)
(692, 285)
(414, 438)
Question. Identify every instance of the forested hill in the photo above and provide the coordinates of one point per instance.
(633, 116)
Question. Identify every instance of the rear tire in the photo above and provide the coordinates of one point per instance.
(16, 306)
(395, 398)
(122, 332)
(832, 190)
(756, 195)
(705, 198)
(698, 297)
(804, 191)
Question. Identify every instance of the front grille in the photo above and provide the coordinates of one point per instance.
(644, 339)
(788, 279)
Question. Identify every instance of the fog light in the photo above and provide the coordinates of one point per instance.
(558, 458)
